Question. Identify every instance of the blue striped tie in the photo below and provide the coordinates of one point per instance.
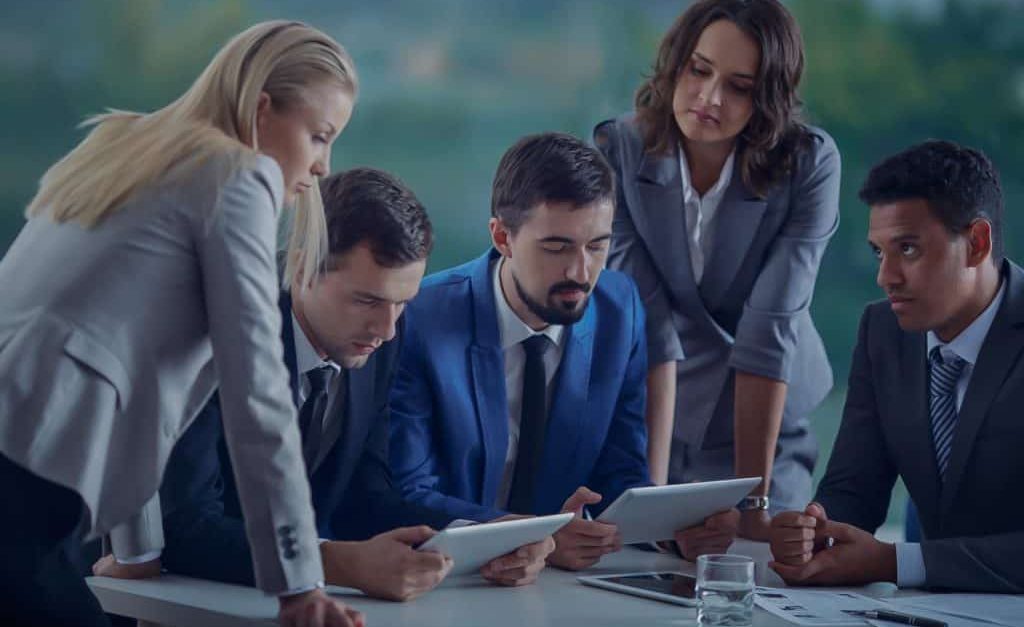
(944, 375)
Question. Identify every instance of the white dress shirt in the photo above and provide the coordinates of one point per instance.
(700, 212)
(513, 331)
(910, 570)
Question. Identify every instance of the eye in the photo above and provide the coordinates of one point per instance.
(320, 138)
(597, 247)
(554, 247)
(741, 88)
(699, 71)
(367, 302)
(877, 252)
(908, 250)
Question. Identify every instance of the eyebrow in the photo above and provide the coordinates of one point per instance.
(742, 75)
(369, 296)
(899, 239)
(557, 239)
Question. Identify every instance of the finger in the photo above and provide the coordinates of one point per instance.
(412, 535)
(796, 521)
(794, 534)
(816, 510)
(427, 560)
(355, 617)
(595, 529)
(582, 496)
(794, 550)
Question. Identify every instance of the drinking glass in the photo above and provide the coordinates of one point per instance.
(725, 590)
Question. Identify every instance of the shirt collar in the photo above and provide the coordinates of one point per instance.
(967, 345)
(306, 357)
(717, 189)
(511, 327)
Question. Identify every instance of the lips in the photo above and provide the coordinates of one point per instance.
(899, 303)
(704, 117)
(364, 349)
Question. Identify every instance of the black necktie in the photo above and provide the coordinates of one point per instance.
(311, 416)
(532, 426)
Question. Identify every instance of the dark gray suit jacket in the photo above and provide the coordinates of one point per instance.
(974, 524)
(751, 311)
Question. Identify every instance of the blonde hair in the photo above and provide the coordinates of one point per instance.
(127, 151)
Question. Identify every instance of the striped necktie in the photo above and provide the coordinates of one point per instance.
(943, 377)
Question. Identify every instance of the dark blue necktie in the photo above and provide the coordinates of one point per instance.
(532, 425)
(943, 376)
(311, 415)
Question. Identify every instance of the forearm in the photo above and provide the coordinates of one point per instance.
(759, 403)
(660, 417)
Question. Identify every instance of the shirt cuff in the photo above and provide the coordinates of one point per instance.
(303, 589)
(139, 559)
(910, 571)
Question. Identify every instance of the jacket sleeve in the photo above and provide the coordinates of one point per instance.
(236, 251)
(977, 564)
(202, 539)
(372, 490)
(623, 460)
(767, 331)
(629, 255)
(412, 455)
(858, 482)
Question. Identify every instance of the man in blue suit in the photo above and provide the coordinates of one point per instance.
(521, 383)
(341, 338)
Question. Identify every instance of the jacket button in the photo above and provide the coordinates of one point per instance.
(290, 554)
(284, 530)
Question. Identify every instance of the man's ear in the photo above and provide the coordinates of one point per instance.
(979, 242)
(501, 236)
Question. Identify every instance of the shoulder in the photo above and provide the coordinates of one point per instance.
(444, 300)
(879, 323)
(816, 151)
(225, 175)
(444, 284)
(619, 137)
(616, 291)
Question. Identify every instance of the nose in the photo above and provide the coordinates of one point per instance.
(579, 269)
(889, 274)
(711, 92)
(321, 164)
(383, 324)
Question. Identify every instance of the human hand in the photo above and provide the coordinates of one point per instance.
(581, 543)
(714, 535)
(520, 567)
(108, 566)
(793, 535)
(316, 609)
(855, 558)
(386, 566)
(755, 524)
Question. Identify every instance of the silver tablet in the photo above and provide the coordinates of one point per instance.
(670, 587)
(473, 546)
(657, 512)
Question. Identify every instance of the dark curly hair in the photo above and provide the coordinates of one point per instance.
(548, 167)
(959, 183)
(767, 145)
(372, 206)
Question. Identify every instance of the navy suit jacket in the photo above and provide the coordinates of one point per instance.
(353, 496)
(449, 429)
(973, 521)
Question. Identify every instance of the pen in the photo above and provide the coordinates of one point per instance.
(898, 617)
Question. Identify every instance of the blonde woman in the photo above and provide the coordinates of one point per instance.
(144, 278)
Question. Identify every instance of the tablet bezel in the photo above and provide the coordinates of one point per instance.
(604, 582)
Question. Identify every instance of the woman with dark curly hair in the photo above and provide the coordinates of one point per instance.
(726, 202)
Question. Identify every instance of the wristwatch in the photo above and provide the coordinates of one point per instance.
(753, 502)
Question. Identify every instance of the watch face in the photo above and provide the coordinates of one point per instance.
(753, 502)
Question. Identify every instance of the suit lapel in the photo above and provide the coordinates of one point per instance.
(569, 397)
(487, 365)
(999, 352)
(662, 223)
(736, 222)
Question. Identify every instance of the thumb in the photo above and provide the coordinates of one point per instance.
(582, 496)
(412, 535)
(816, 510)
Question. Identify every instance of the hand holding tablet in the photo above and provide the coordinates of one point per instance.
(655, 513)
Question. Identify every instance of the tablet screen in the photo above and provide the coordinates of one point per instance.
(674, 584)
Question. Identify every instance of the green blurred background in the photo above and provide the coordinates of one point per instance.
(448, 85)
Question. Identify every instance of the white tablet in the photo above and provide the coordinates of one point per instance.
(657, 512)
(675, 588)
(473, 546)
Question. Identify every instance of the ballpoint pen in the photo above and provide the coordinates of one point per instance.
(897, 617)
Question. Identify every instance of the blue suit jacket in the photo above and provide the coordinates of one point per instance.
(353, 497)
(449, 430)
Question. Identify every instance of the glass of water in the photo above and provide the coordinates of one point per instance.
(725, 590)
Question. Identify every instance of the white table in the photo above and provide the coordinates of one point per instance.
(556, 599)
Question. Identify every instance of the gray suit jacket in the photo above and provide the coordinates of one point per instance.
(751, 311)
(112, 340)
(973, 523)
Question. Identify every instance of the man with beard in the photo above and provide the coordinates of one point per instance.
(521, 384)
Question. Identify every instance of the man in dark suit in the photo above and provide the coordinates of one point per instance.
(521, 384)
(341, 337)
(935, 393)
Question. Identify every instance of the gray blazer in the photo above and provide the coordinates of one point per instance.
(113, 338)
(751, 311)
(973, 522)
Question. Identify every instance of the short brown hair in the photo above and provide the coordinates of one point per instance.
(766, 146)
(372, 206)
